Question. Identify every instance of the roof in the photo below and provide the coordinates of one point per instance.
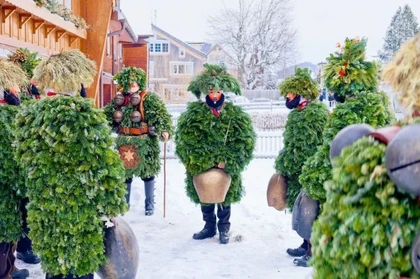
(187, 46)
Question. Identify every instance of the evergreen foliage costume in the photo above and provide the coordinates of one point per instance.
(73, 177)
(140, 118)
(354, 82)
(371, 216)
(214, 134)
(11, 77)
(302, 134)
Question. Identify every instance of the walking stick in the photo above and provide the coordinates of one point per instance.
(164, 180)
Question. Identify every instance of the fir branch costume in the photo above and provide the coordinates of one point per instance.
(372, 218)
(302, 134)
(74, 178)
(210, 133)
(349, 75)
(11, 78)
(155, 115)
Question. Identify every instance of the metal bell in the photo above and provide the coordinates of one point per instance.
(118, 116)
(119, 99)
(402, 158)
(347, 137)
(135, 116)
(135, 99)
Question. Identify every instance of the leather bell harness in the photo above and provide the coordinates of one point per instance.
(143, 129)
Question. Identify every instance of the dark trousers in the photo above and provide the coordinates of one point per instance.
(89, 276)
(223, 213)
(128, 182)
(7, 260)
(24, 243)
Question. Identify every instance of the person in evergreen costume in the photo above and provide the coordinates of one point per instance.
(214, 134)
(11, 77)
(140, 118)
(302, 134)
(74, 179)
(354, 81)
(371, 215)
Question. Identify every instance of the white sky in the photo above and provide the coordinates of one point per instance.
(320, 23)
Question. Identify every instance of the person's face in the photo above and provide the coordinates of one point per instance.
(15, 90)
(215, 95)
(134, 87)
(290, 96)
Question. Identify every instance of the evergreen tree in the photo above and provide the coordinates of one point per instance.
(403, 26)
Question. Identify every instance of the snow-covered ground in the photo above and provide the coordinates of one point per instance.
(259, 234)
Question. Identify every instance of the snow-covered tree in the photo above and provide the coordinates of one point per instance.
(258, 35)
(403, 27)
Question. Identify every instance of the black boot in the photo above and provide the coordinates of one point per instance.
(128, 182)
(149, 202)
(304, 261)
(20, 274)
(209, 229)
(28, 257)
(223, 213)
(300, 251)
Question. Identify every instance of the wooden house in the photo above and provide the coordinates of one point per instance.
(172, 65)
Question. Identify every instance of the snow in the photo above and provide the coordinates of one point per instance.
(259, 234)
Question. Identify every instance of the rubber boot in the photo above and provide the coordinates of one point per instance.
(209, 229)
(149, 202)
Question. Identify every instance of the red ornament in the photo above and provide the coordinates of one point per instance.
(342, 72)
(346, 64)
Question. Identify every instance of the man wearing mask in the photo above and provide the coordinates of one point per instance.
(10, 196)
(302, 134)
(214, 134)
(141, 119)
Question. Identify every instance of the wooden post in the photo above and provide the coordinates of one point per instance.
(98, 16)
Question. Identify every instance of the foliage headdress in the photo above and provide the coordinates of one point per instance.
(216, 77)
(11, 75)
(129, 75)
(301, 83)
(347, 71)
(403, 74)
(26, 60)
(65, 72)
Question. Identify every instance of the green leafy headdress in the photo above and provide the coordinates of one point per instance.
(11, 75)
(65, 71)
(301, 83)
(129, 75)
(403, 74)
(214, 77)
(347, 71)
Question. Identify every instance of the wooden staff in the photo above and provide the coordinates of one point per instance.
(164, 180)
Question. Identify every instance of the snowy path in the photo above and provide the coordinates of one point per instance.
(260, 235)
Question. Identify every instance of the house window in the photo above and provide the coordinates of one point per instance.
(67, 3)
(120, 51)
(108, 46)
(181, 53)
(181, 68)
(159, 46)
(151, 68)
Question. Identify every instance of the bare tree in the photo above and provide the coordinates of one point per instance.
(259, 37)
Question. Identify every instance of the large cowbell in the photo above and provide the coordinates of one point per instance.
(305, 211)
(122, 251)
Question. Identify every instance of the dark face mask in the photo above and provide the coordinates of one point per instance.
(339, 98)
(11, 99)
(293, 103)
(213, 103)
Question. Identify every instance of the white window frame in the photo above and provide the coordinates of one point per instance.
(181, 52)
(160, 44)
(175, 68)
(120, 51)
(151, 68)
(108, 45)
